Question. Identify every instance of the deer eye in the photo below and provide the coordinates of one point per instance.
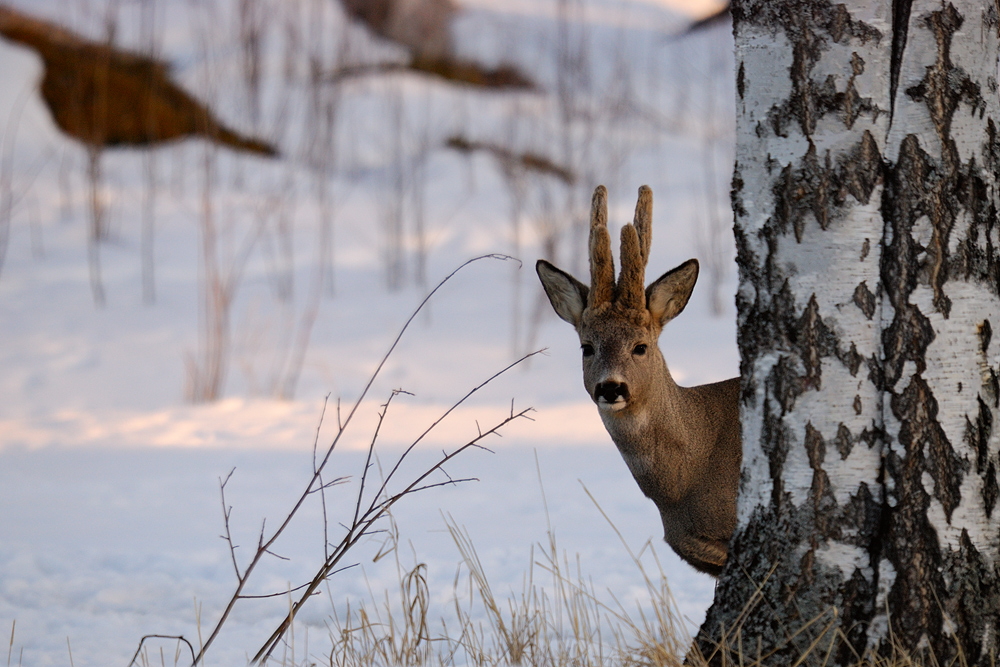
(639, 349)
(588, 349)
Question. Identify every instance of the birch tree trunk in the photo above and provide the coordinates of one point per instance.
(865, 193)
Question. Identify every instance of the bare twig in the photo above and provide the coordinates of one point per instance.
(293, 590)
(179, 638)
(226, 512)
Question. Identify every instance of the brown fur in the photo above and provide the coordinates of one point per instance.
(682, 444)
(103, 96)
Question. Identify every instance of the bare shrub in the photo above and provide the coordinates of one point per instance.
(374, 500)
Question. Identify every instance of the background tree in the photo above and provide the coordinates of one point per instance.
(865, 194)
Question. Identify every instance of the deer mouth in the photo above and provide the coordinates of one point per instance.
(611, 396)
(612, 406)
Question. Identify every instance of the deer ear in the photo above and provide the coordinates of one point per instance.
(667, 297)
(567, 295)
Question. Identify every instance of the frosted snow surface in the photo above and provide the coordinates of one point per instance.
(109, 478)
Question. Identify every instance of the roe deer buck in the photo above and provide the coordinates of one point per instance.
(682, 444)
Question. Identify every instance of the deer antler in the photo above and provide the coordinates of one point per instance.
(602, 263)
(644, 221)
(636, 239)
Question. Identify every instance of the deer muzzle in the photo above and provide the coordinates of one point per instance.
(611, 395)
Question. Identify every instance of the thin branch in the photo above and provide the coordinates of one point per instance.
(322, 487)
(455, 406)
(371, 451)
(292, 590)
(179, 638)
(332, 483)
(226, 511)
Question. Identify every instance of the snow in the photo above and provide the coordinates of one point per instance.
(109, 478)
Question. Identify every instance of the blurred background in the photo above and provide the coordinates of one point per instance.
(202, 199)
(216, 215)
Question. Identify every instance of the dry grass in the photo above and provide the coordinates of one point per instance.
(562, 623)
(558, 618)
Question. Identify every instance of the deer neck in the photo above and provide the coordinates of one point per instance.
(659, 440)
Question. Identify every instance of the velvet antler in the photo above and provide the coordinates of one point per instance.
(635, 243)
(602, 263)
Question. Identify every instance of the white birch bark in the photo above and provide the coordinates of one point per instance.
(867, 239)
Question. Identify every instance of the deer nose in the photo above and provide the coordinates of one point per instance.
(611, 391)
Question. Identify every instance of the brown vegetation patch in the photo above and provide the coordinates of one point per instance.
(423, 27)
(527, 160)
(472, 73)
(465, 72)
(103, 96)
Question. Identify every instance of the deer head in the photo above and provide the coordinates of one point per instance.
(619, 323)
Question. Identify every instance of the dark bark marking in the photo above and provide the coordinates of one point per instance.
(774, 439)
(912, 548)
(910, 332)
(943, 88)
(858, 605)
(900, 29)
(923, 438)
(741, 80)
(812, 340)
(853, 104)
(736, 192)
(866, 248)
(985, 332)
(864, 299)
(815, 446)
(852, 359)
(977, 436)
(861, 170)
(857, 404)
(992, 387)
(990, 489)
(823, 502)
(820, 188)
(844, 441)
(977, 257)
(906, 339)
(971, 601)
(944, 85)
(991, 19)
(749, 314)
(873, 435)
(991, 148)
(809, 26)
(862, 516)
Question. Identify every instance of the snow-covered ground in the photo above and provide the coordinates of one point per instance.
(109, 500)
